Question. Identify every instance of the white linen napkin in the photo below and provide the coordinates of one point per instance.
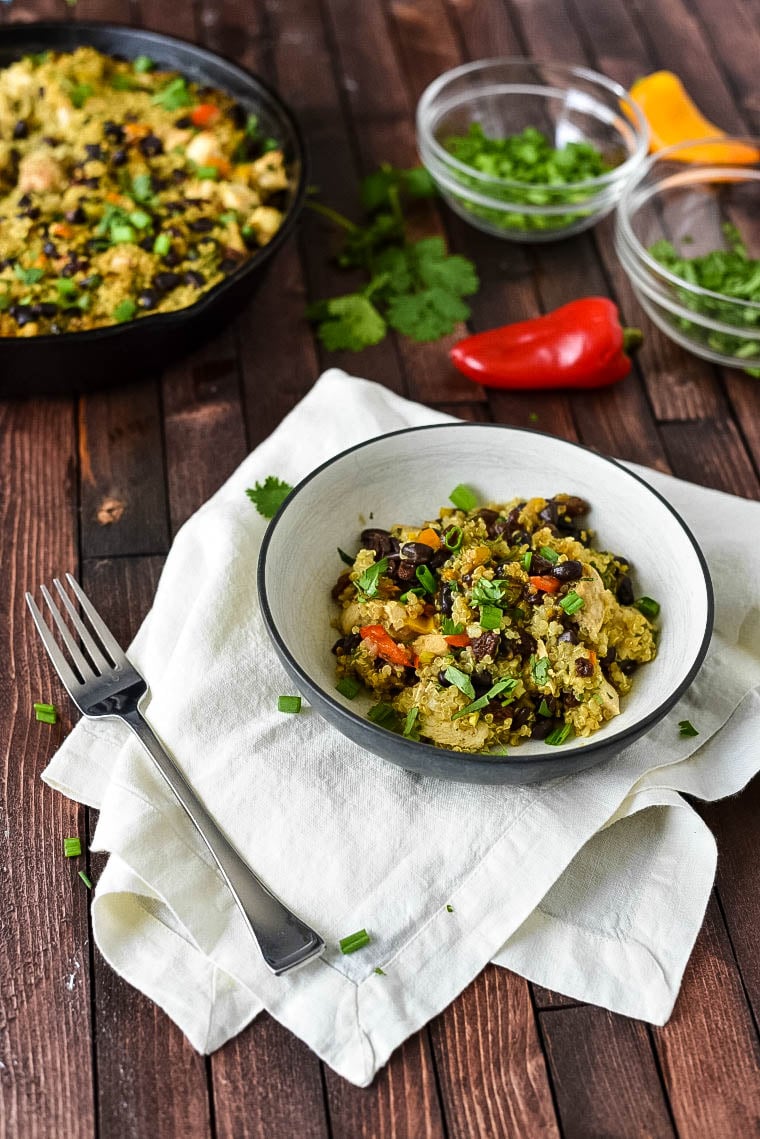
(445, 877)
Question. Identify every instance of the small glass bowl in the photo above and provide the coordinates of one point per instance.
(692, 204)
(568, 104)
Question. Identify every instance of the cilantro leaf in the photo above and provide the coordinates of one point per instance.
(418, 183)
(377, 189)
(368, 582)
(269, 496)
(426, 315)
(393, 264)
(436, 268)
(351, 322)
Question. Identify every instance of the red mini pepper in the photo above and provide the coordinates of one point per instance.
(580, 345)
(387, 648)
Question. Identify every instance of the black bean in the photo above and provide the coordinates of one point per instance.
(540, 565)
(113, 131)
(193, 277)
(439, 557)
(570, 700)
(21, 130)
(33, 212)
(627, 667)
(570, 570)
(345, 645)
(239, 115)
(481, 682)
(146, 244)
(150, 146)
(610, 655)
(570, 636)
(22, 314)
(76, 216)
(417, 553)
(573, 506)
(624, 591)
(486, 645)
(91, 183)
(201, 225)
(584, 667)
(443, 679)
(542, 727)
(550, 513)
(527, 643)
(519, 538)
(172, 257)
(378, 540)
(175, 207)
(24, 201)
(487, 515)
(50, 141)
(68, 270)
(178, 176)
(184, 122)
(174, 230)
(520, 716)
(164, 282)
(49, 249)
(445, 599)
(147, 299)
(93, 150)
(45, 308)
(119, 158)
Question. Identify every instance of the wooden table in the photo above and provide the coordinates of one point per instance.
(102, 484)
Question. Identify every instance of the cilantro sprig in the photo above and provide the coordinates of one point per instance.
(414, 287)
(269, 496)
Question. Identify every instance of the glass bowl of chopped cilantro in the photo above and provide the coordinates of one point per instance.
(688, 236)
(529, 151)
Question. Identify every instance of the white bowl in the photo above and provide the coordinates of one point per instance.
(406, 476)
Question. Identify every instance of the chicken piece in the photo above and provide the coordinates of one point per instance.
(433, 643)
(608, 699)
(591, 617)
(204, 149)
(265, 221)
(176, 137)
(39, 171)
(236, 196)
(128, 259)
(455, 733)
(200, 190)
(18, 79)
(269, 173)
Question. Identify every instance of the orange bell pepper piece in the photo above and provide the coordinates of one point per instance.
(429, 537)
(548, 584)
(673, 117)
(457, 640)
(387, 648)
(204, 115)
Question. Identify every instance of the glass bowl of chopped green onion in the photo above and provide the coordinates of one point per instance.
(529, 151)
(688, 235)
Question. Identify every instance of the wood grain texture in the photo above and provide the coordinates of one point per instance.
(490, 1064)
(624, 1097)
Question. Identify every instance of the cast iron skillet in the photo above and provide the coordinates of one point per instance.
(80, 361)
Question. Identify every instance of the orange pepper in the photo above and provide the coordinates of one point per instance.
(673, 118)
(204, 115)
(548, 584)
(592, 657)
(135, 131)
(429, 537)
(387, 648)
(61, 229)
(457, 640)
(222, 165)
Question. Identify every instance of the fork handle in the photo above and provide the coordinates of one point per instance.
(284, 940)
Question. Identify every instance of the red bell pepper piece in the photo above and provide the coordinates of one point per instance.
(547, 584)
(580, 345)
(204, 115)
(387, 648)
(457, 640)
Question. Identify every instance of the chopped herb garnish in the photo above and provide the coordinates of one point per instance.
(122, 234)
(544, 709)
(368, 582)
(45, 713)
(410, 728)
(380, 972)
(269, 496)
(65, 286)
(383, 715)
(28, 276)
(354, 941)
(449, 908)
(140, 219)
(348, 687)
(72, 847)
(251, 126)
(527, 558)
(648, 607)
(460, 680)
(142, 188)
(174, 95)
(571, 603)
(79, 93)
(228, 216)
(507, 685)
(270, 144)
(345, 558)
(124, 310)
(686, 729)
(539, 669)
(121, 82)
(451, 628)
(453, 538)
(142, 64)
(463, 498)
(209, 173)
(486, 592)
(85, 879)
(548, 553)
(425, 578)
(490, 617)
(288, 703)
(162, 244)
(559, 735)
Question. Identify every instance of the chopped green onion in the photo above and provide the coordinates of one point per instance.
(449, 908)
(686, 729)
(79, 93)
(72, 847)
(121, 82)
(463, 498)
(450, 628)
(490, 617)
(410, 729)
(208, 172)
(288, 703)
(539, 669)
(247, 232)
(85, 879)
(544, 709)
(460, 680)
(270, 144)
(527, 558)
(345, 558)
(122, 234)
(228, 216)
(84, 302)
(368, 582)
(65, 286)
(383, 715)
(548, 553)
(648, 607)
(45, 713)
(559, 735)
(425, 578)
(140, 219)
(142, 64)
(453, 538)
(162, 244)
(124, 310)
(251, 126)
(354, 941)
(380, 972)
(507, 685)
(28, 276)
(571, 603)
(348, 687)
(142, 187)
(415, 591)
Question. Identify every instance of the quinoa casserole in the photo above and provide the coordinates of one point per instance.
(124, 191)
(488, 627)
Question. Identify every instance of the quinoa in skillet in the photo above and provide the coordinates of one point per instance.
(488, 627)
(124, 191)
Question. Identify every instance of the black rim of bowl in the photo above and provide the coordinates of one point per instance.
(416, 748)
(33, 33)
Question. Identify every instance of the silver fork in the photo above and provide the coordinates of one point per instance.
(109, 685)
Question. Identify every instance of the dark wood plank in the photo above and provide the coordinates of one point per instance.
(711, 454)
(708, 1050)
(546, 999)
(47, 1077)
(624, 1097)
(490, 1064)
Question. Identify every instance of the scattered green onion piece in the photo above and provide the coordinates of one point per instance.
(79, 93)
(228, 216)
(425, 578)
(247, 232)
(539, 669)
(251, 126)
(85, 879)
(382, 715)
(348, 687)
(450, 628)
(28, 276)
(354, 941)
(487, 592)
(548, 553)
(507, 684)
(571, 603)
(648, 607)
(559, 735)
(490, 617)
(410, 729)
(460, 680)
(174, 95)
(270, 144)
(288, 703)
(209, 173)
(345, 558)
(368, 582)
(122, 234)
(162, 244)
(121, 82)
(544, 709)
(65, 286)
(415, 591)
(72, 847)
(84, 302)
(380, 972)
(142, 188)
(686, 729)
(124, 310)
(140, 219)
(449, 908)
(463, 498)
(527, 558)
(45, 713)
(453, 538)
(143, 64)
